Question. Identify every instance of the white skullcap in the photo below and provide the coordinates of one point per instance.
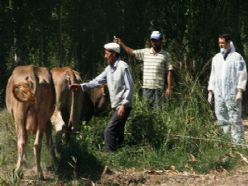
(113, 47)
(156, 35)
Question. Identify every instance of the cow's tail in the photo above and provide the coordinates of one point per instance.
(31, 120)
(72, 123)
(24, 93)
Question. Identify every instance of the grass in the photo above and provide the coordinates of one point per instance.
(182, 136)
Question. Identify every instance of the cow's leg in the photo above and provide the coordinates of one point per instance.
(21, 141)
(57, 120)
(37, 150)
(59, 125)
(58, 139)
(24, 160)
(50, 145)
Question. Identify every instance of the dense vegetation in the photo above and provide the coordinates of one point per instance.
(60, 32)
(184, 134)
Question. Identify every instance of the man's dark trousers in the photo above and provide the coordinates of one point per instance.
(114, 132)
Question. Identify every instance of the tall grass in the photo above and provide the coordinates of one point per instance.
(183, 135)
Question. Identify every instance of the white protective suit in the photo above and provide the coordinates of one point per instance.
(226, 78)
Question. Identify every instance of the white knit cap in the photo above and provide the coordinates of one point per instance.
(156, 35)
(112, 47)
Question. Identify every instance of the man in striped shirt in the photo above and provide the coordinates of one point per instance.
(156, 63)
(118, 78)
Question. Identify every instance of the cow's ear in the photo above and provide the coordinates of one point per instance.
(22, 92)
(78, 76)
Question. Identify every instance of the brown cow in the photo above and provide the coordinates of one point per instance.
(30, 100)
(68, 105)
(73, 107)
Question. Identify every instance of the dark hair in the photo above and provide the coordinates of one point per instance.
(112, 51)
(116, 54)
(227, 37)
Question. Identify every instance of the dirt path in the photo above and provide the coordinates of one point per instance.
(237, 177)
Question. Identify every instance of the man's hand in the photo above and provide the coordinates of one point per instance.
(127, 49)
(239, 95)
(75, 87)
(210, 97)
(117, 40)
(121, 111)
(167, 92)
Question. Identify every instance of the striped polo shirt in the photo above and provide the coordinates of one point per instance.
(154, 67)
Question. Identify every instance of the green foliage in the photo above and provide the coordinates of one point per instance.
(7, 140)
(66, 33)
(147, 127)
(10, 178)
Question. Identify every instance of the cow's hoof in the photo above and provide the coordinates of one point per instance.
(17, 175)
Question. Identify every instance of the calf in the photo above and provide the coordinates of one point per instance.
(30, 100)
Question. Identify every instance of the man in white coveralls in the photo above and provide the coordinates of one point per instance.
(227, 82)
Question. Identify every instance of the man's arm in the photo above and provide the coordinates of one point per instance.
(98, 81)
(127, 49)
(211, 84)
(211, 81)
(169, 80)
(128, 93)
(242, 74)
(242, 78)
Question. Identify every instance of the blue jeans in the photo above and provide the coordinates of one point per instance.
(152, 97)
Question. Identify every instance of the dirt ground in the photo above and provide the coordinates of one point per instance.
(133, 177)
(237, 177)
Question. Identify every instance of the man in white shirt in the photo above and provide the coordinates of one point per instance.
(119, 81)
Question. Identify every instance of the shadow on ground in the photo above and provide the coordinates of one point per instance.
(76, 162)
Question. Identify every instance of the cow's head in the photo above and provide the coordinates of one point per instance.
(98, 98)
